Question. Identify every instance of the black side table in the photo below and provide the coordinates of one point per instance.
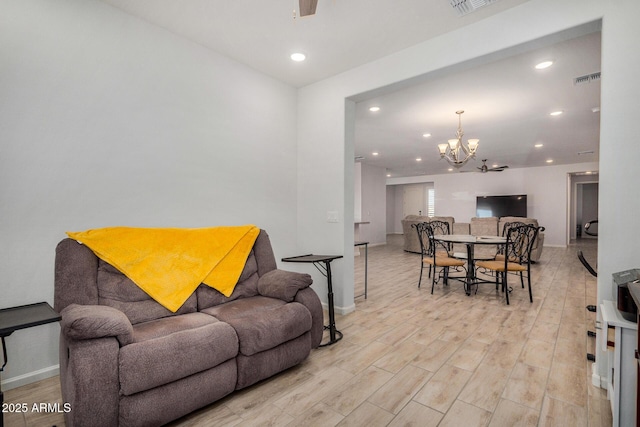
(334, 334)
(24, 316)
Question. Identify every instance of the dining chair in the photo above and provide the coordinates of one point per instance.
(435, 253)
(439, 227)
(516, 257)
(505, 228)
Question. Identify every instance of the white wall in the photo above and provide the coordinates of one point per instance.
(107, 120)
(393, 216)
(545, 187)
(618, 237)
(374, 200)
(357, 192)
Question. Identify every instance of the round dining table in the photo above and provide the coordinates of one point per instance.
(470, 241)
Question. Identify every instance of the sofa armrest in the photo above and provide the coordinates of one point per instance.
(85, 322)
(283, 284)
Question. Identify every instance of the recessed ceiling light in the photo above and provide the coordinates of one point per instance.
(418, 159)
(543, 65)
(374, 109)
(549, 160)
(556, 113)
(388, 175)
(298, 57)
(588, 173)
(494, 166)
(450, 169)
(539, 145)
(375, 153)
(426, 135)
(595, 109)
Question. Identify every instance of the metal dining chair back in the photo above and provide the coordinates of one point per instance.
(516, 258)
(435, 253)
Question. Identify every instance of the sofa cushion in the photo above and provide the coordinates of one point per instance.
(171, 356)
(411, 242)
(484, 227)
(169, 325)
(262, 322)
(118, 291)
(247, 287)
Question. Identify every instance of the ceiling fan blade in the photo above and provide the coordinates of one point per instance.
(498, 168)
(308, 7)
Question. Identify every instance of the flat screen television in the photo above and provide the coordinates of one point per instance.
(499, 206)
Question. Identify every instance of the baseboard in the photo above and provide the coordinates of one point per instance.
(30, 377)
(597, 380)
(340, 310)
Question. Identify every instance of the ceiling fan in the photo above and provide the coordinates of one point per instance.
(484, 168)
(308, 7)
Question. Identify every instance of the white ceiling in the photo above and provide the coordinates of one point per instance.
(506, 106)
(341, 35)
(506, 102)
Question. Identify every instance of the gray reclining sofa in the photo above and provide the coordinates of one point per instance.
(126, 360)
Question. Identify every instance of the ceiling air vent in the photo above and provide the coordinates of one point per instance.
(464, 7)
(588, 78)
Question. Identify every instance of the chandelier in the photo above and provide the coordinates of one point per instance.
(455, 152)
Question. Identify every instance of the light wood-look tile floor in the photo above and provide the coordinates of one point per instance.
(410, 358)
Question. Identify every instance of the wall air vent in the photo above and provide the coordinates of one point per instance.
(587, 78)
(463, 7)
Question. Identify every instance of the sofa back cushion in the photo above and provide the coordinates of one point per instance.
(82, 278)
(484, 227)
(118, 291)
(247, 287)
(506, 219)
(411, 242)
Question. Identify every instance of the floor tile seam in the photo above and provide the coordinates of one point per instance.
(410, 398)
(546, 384)
(547, 395)
(493, 414)
(453, 401)
(304, 383)
(585, 402)
(365, 400)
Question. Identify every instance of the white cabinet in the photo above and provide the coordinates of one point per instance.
(621, 370)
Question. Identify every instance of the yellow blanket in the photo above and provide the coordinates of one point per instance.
(170, 263)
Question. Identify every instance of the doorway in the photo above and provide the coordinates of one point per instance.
(584, 205)
(587, 208)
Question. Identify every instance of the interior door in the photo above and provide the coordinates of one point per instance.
(414, 200)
